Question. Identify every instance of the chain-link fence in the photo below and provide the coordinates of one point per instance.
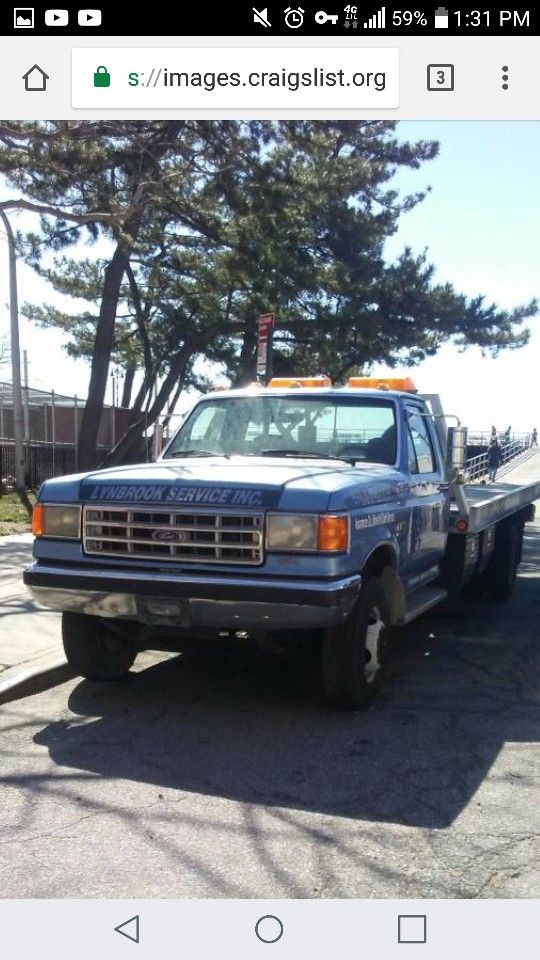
(41, 461)
(55, 418)
(51, 428)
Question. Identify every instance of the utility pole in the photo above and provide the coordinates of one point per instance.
(26, 404)
(18, 414)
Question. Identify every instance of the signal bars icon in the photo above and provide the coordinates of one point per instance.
(377, 21)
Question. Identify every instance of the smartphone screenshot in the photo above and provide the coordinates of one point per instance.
(269, 470)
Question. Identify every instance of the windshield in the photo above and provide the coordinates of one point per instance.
(354, 428)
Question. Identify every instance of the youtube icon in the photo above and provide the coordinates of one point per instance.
(89, 18)
(56, 18)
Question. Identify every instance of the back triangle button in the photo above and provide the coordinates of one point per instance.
(129, 928)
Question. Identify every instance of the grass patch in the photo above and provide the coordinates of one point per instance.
(13, 516)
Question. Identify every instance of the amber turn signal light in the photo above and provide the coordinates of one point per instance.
(332, 534)
(37, 520)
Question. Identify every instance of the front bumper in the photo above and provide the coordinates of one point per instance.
(195, 600)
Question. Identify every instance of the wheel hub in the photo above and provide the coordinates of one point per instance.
(373, 645)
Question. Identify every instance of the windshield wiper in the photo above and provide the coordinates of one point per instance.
(198, 453)
(301, 454)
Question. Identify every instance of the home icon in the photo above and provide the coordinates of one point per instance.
(35, 79)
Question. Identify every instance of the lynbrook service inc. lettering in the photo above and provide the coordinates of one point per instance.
(212, 496)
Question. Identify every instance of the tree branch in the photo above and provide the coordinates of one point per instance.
(44, 209)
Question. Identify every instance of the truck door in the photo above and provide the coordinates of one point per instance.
(428, 498)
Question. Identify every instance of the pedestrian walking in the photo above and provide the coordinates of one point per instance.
(534, 438)
(493, 459)
(507, 435)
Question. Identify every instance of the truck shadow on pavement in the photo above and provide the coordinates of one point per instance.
(233, 723)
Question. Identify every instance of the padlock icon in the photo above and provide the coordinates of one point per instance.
(102, 77)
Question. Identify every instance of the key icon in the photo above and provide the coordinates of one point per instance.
(322, 17)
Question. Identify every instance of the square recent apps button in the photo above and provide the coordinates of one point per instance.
(412, 928)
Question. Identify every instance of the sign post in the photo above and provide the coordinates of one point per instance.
(265, 336)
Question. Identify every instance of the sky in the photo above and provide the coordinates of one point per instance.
(480, 225)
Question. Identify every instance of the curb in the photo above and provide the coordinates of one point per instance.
(21, 683)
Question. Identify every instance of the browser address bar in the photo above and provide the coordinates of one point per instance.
(225, 78)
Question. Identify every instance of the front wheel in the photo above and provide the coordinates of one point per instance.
(353, 655)
(94, 650)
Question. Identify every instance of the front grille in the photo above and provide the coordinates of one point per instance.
(173, 535)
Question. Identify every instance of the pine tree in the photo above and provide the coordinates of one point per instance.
(211, 223)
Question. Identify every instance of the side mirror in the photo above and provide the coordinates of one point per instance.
(456, 454)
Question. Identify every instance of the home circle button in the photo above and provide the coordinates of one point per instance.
(269, 929)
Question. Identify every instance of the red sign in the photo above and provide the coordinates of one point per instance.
(265, 330)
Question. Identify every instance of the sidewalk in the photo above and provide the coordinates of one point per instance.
(30, 637)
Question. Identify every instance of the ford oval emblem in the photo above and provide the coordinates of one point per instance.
(169, 536)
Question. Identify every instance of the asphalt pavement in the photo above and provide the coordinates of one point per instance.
(221, 773)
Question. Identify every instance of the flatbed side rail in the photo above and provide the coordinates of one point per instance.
(496, 507)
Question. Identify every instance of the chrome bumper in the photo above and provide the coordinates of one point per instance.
(195, 601)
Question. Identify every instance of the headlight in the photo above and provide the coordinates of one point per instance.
(311, 533)
(289, 531)
(56, 520)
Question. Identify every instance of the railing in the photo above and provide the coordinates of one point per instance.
(482, 437)
(512, 453)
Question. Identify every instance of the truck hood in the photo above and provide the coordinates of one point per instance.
(249, 482)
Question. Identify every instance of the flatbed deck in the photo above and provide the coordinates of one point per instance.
(493, 501)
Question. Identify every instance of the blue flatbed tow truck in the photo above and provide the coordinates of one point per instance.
(275, 514)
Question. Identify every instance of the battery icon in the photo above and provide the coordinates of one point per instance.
(441, 18)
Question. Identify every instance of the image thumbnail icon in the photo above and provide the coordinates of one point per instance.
(23, 18)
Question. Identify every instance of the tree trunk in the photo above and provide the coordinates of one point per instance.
(133, 435)
(174, 401)
(141, 395)
(101, 356)
(87, 446)
(246, 362)
(128, 387)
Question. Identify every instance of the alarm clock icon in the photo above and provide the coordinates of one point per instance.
(294, 17)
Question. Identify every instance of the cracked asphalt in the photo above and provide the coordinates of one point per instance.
(220, 773)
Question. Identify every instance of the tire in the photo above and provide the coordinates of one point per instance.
(94, 650)
(354, 653)
(502, 570)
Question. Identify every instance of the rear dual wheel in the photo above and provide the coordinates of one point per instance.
(502, 571)
(498, 579)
